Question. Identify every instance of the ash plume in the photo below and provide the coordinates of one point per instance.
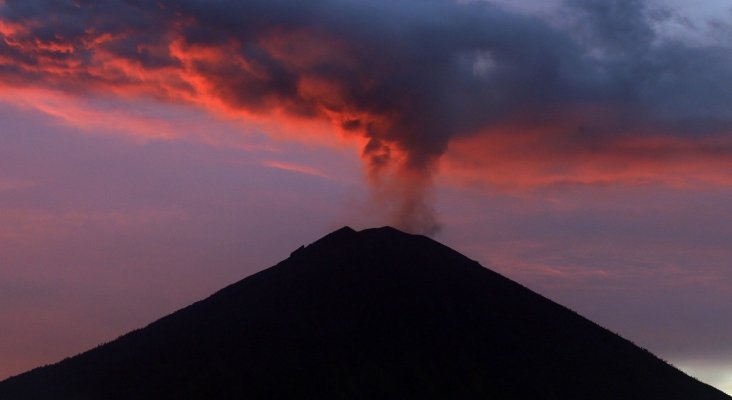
(409, 76)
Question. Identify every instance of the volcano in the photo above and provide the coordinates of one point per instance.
(366, 315)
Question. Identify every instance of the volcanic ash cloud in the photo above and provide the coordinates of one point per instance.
(407, 76)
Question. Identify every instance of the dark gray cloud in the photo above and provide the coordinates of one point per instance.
(408, 75)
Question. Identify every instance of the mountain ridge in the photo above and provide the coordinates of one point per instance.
(366, 314)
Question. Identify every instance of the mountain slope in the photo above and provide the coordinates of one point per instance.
(363, 315)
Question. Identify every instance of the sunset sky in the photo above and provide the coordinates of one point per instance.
(154, 152)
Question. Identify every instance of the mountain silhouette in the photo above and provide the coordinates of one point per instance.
(373, 314)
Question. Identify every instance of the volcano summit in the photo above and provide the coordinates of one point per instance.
(363, 315)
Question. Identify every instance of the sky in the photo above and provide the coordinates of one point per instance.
(154, 152)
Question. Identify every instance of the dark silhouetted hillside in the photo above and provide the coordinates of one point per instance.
(366, 315)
